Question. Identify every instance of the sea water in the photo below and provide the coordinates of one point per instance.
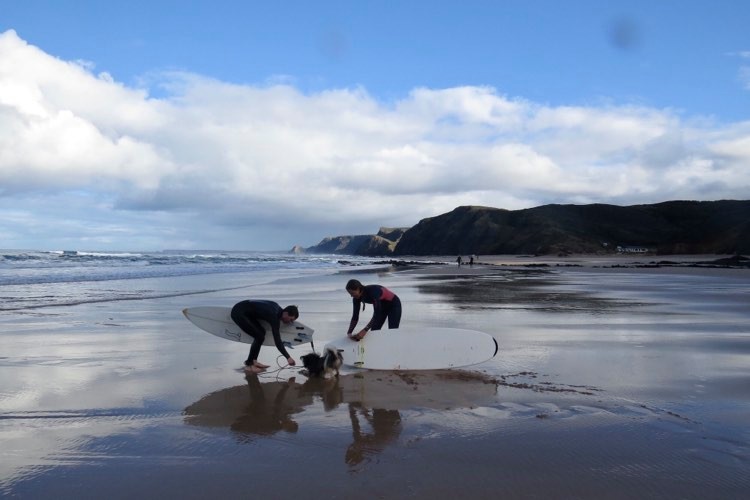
(36, 279)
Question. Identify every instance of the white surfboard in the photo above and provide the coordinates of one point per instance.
(218, 321)
(417, 348)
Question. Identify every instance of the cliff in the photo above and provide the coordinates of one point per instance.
(689, 227)
(673, 227)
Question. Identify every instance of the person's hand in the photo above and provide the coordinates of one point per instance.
(352, 337)
(361, 334)
(291, 361)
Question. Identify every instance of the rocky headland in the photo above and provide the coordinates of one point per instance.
(673, 227)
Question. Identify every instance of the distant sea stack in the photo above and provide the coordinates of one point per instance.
(673, 227)
(367, 245)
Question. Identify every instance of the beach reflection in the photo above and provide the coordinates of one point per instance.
(534, 290)
(384, 428)
(254, 409)
(372, 402)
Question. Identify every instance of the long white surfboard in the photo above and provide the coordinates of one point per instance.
(417, 348)
(218, 321)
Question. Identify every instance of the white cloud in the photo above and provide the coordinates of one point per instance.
(744, 71)
(268, 166)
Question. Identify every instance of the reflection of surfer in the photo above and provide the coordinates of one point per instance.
(252, 409)
(386, 428)
(266, 417)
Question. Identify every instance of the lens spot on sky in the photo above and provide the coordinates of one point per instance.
(333, 45)
(623, 33)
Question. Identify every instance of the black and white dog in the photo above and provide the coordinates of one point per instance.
(320, 366)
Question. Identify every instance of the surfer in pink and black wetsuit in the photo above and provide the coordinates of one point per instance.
(385, 304)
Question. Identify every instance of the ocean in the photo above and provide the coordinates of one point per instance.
(35, 279)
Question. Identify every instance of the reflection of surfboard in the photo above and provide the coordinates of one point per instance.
(413, 348)
(246, 407)
(440, 390)
(217, 321)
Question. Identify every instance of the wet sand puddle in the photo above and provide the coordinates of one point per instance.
(524, 289)
(380, 431)
(373, 407)
(377, 411)
(593, 395)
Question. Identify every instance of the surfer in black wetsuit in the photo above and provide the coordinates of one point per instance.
(385, 304)
(247, 313)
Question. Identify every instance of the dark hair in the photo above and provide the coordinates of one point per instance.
(291, 311)
(354, 285)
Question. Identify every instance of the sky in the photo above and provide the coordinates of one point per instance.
(247, 125)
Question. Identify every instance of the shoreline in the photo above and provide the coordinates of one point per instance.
(703, 261)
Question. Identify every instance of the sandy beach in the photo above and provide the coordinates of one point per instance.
(613, 381)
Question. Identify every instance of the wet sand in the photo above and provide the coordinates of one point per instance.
(612, 381)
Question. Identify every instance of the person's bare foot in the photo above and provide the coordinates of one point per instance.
(259, 364)
(254, 369)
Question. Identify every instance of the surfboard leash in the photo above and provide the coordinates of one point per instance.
(275, 373)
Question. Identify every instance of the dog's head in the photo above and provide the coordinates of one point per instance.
(333, 359)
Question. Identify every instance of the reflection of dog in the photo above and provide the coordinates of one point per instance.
(320, 366)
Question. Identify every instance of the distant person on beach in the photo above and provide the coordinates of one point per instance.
(471, 261)
(458, 260)
(385, 304)
(247, 314)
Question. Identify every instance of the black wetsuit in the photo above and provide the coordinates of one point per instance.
(247, 313)
(386, 304)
